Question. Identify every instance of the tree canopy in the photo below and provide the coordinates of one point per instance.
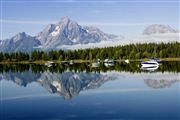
(131, 51)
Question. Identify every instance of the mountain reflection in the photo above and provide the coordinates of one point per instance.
(67, 84)
(69, 81)
(157, 84)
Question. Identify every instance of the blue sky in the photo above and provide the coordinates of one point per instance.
(121, 17)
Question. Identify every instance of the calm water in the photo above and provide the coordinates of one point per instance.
(63, 92)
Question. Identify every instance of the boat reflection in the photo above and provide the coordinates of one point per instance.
(151, 69)
(69, 80)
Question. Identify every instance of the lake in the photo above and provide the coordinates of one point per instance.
(111, 92)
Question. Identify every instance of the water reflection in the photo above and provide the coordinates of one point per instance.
(69, 81)
(158, 84)
(80, 67)
(66, 84)
(151, 69)
(69, 84)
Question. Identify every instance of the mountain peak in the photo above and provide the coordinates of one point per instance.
(65, 32)
(158, 29)
(65, 20)
(20, 35)
(69, 32)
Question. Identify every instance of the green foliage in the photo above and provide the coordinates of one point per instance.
(131, 51)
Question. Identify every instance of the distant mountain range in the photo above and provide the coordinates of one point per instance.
(20, 42)
(67, 34)
(159, 29)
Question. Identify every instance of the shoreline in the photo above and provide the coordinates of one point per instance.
(83, 61)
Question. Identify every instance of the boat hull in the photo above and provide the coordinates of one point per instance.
(149, 65)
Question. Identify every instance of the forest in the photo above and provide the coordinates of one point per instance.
(131, 51)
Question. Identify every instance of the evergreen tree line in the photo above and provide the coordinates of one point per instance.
(131, 51)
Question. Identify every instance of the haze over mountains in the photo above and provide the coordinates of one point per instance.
(68, 34)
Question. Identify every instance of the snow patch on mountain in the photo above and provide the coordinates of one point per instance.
(56, 31)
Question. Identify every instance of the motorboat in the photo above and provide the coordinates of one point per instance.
(109, 64)
(111, 61)
(108, 61)
(49, 63)
(71, 62)
(95, 64)
(156, 59)
(150, 63)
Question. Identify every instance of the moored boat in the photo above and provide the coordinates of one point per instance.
(71, 62)
(95, 65)
(156, 59)
(49, 63)
(108, 61)
(127, 61)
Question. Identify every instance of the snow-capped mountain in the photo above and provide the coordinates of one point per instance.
(65, 32)
(158, 29)
(20, 42)
(68, 32)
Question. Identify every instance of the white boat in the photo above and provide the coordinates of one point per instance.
(108, 61)
(151, 63)
(109, 64)
(71, 62)
(157, 60)
(95, 65)
(111, 61)
(49, 63)
(127, 61)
